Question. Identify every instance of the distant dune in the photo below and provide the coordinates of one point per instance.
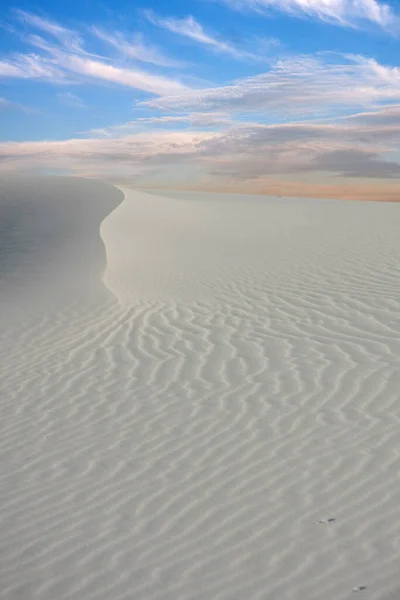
(199, 395)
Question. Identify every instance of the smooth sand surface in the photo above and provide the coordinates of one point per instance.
(199, 396)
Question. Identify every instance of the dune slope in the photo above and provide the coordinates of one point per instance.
(49, 237)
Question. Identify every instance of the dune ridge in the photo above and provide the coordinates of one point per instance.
(224, 424)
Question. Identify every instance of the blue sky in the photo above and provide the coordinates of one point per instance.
(296, 97)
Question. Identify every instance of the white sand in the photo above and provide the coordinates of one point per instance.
(188, 430)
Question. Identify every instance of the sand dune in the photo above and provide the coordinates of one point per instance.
(220, 419)
(49, 235)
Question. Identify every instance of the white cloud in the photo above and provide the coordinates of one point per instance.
(67, 61)
(306, 86)
(386, 75)
(134, 78)
(31, 66)
(343, 12)
(136, 49)
(188, 27)
(10, 69)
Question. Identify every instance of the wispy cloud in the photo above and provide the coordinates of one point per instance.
(343, 12)
(135, 48)
(72, 100)
(63, 66)
(307, 86)
(68, 38)
(32, 66)
(134, 78)
(6, 105)
(199, 121)
(389, 116)
(189, 28)
(66, 61)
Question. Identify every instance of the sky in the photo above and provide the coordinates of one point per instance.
(276, 97)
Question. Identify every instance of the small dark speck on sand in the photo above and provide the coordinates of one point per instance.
(330, 520)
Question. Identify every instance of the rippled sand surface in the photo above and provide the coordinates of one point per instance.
(199, 395)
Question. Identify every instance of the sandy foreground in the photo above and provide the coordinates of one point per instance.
(200, 395)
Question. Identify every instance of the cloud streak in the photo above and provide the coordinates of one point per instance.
(134, 78)
(200, 120)
(135, 48)
(189, 28)
(71, 99)
(6, 105)
(342, 12)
